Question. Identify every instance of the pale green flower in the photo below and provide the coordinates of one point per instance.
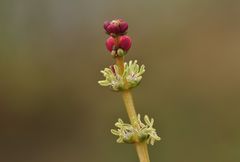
(131, 77)
(144, 132)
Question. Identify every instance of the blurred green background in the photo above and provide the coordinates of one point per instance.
(53, 110)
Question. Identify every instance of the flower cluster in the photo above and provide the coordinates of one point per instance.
(130, 78)
(118, 42)
(128, 134)
(116, 27)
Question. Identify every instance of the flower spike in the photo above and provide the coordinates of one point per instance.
(123, 76)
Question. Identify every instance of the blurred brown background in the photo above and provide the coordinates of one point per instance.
(53, 110)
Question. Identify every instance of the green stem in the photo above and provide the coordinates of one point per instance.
(128, 101)
(141, 148)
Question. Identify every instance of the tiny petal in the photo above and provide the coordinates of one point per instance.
(106, 24)
(113, 28)
(125, 42)
(110, 43)
(123, 25)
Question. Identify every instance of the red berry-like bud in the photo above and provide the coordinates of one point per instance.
(106, 24)
(110, 44)
(125, 43)
(123, 25)
(117, 27)
(113, 28)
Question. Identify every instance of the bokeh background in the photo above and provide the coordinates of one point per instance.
(53, 110)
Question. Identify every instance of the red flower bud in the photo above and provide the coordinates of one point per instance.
(113, 28)
(116, 27)
(106, 24)
(125, 43)
(110, 43)
(123, 25)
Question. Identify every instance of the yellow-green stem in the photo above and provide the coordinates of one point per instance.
(120, 64)
(142, 151)
(141, 148)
